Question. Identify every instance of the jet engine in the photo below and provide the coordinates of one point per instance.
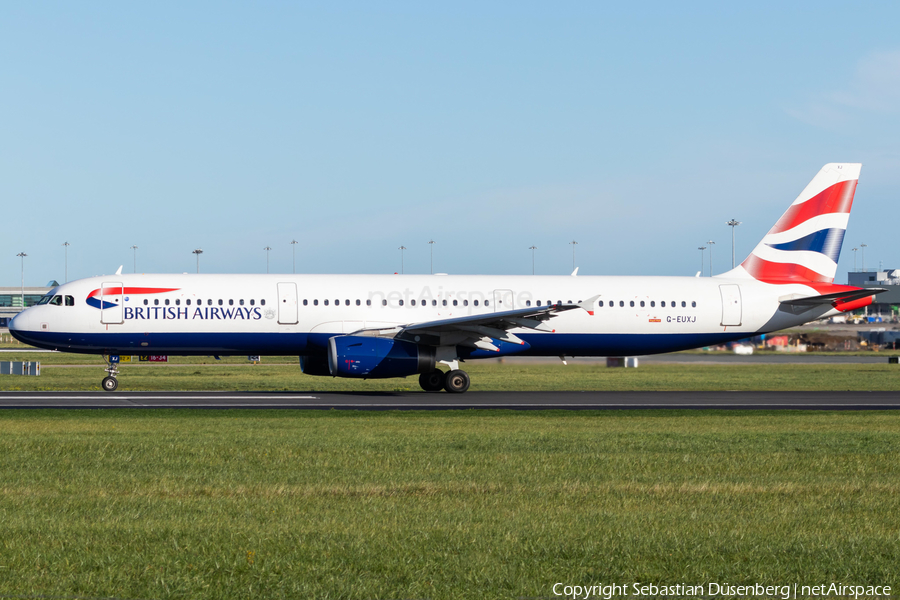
(375, 358)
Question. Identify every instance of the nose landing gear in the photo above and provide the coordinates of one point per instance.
(110, 383)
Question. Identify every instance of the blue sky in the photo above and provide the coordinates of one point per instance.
(355, 128)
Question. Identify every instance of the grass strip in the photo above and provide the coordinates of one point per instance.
(297, 504)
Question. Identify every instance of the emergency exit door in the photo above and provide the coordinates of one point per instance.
(287, 303)
(731, 304)
(112, 310)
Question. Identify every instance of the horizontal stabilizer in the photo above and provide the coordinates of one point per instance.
(840, 297)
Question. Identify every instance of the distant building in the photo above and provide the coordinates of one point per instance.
(888, 279)
(11, 300)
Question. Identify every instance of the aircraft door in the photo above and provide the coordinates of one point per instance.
(731, 304)
(287, 303)
(503, 300)
(112, 310)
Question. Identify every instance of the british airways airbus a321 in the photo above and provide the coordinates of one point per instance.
(379, 326)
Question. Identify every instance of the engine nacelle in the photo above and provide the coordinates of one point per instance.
(316, 364)
(376, 358)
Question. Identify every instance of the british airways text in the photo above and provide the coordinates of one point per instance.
(207, 312)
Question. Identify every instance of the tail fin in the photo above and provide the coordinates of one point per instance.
(805, 243)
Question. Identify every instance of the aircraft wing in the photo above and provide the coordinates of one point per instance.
(478, 331)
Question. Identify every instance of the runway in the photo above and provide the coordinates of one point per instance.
(850, 400)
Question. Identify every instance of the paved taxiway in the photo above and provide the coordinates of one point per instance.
(851, 400)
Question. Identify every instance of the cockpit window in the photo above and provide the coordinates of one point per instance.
(56, 300)
(70, 301)
(44, 300)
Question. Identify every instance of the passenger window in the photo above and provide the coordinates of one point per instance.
(262, 302)
(325, 302)
(230, 302)
(488, 303)
(357, 302)
(599, 303)
(465, 302)
(401, 302)
(252, 301)
(347, 302)
(631, 303)
(384, 302)
(156, 302)
(455, 303)
(220, 302)
(612, 303)
(642, 304)
(166, 301)
(177, 301)
(559, 301)
(672, 304)
(475, 302)
(622, 303)
(241, 302)
(568, 302)
(413, 301)
(209, 301)
(663, 304)
(368, 303)
(70, 301)
(683, 304)
(305, 302)
(315, 302)
(188, 301)
(693, 304)
(444, 302)
(337, 302)
(146, 302)
(527, 303)
(652, 303)
(434, 302)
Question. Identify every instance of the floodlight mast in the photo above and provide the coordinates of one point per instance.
(134, 257)
(532, 248)
(22, 255)
(198, 252)
(401, 249)
(732, 223)
(710, 244)
(701, 249)
(67, 244)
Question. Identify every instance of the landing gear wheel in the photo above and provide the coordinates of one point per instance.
(432, 382)
(456, 382)
(110, 384)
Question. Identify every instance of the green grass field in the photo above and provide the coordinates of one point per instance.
(81, 372)
(293, 504)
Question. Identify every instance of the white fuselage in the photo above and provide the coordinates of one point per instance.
(297, 314)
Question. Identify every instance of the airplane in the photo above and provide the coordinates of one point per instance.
(383, 326)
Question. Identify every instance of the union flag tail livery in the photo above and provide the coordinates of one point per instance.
(805, 244)
(380, 326)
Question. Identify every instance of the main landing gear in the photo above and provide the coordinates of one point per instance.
(454, 381)
(110, 383)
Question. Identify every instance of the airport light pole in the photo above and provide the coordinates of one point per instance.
(401, 249)
(67, 244)
(293, 256)
(701, 249)
(431, 243)
(732, 223)
(267, 248)
(710, 244)
(134, 258)
(863, 248)
(573, 244)
(22, 255)
(532, 248)
(198, 252)
(854, 258)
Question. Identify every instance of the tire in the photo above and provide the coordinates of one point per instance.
(456, 382)
(110, 384)
(432, 382)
